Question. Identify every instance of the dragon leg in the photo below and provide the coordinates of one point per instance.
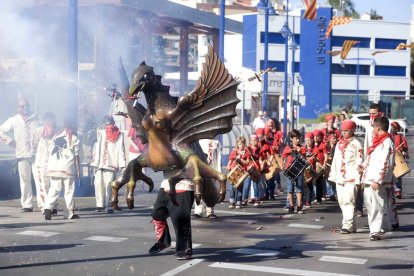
(206, 170)
(194, 161)
(136, 174)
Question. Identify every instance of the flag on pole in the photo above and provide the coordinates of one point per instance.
(346, 47)
(310, 9)
(336, 20)
(379, 52)
(403, 46)
(333, 53)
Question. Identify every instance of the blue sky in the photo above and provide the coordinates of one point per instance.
(392, 10)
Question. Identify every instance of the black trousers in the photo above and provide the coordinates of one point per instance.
(180, 217)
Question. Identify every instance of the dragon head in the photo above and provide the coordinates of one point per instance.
(142, 78)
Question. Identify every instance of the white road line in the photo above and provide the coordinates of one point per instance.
(38, 233)
(275, 270)
(337, 259)
(236, 212)
(183, 267)
(240, 221)
(195, 245)
(106, 239)
(257, 252)
(310, 226)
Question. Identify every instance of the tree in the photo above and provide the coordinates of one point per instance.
(347, 5)
(375, 16)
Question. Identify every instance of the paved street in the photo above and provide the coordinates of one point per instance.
(249, 241)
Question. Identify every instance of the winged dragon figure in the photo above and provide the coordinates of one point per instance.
(173, 127)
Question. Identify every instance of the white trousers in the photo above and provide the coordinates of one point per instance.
(201, 209)
(25, 175)
(346, 199)
(42, 182)
(375, 203)
(56, 186)
(103, 189)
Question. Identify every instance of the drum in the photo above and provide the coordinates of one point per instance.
(254, 173)
(296, 168)
(237, 175)
(320, 170)
(401, 168)
(275, 167)
(309, 174)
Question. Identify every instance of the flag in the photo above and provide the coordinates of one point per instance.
(336, 20)
(310, 9)
(379, 52)
(333, 53)
(403, 46)
(346, 47)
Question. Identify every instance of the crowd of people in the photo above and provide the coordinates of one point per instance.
(337, 166)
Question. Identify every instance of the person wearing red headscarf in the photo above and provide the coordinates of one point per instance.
(401, 147)
(320, 154)
(109, 157)
(309, 149)
(329, 129)
(377, 174)
(345, 173)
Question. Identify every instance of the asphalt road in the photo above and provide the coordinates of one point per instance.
(250, 241)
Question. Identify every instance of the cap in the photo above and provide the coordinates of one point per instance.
(348, 125)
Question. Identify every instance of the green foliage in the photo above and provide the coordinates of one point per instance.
(348, 7)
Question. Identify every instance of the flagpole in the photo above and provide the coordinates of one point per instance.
(357, 83)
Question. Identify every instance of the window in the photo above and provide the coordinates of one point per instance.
(350, 69)
(397, 71)
(382, 43)
(346, 100)
(280, 65)
(338, 41)
(277, 38)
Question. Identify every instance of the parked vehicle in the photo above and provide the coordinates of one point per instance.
(362, 120)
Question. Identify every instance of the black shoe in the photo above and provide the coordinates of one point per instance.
(54, 212)
(212, 216)
(73, 217)
(345, 231)
(27, 210)
(375, 237)
(299, 210)
(196, 216)
(48, 214)
(395, 227)
(110, 211)
(157, 248)
(99, 209)
(291, 210)
(184, 257)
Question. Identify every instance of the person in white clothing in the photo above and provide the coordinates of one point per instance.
(377, 173)
(43, 136)
(23, 126)
(344, 172)
(259, 121)
(109, 157)
(63, 167)
(213, 150)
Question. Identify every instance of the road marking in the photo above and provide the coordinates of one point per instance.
(275, 270)
(195, 245)
(257, 252)
(37, 233)
(310, 226)
(106, 239)
(336, 259)
(183, 267)
(240, 221)
(236, 213)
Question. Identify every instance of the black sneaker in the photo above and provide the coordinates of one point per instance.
(299, 210)
(375, 237)
(345, 231)
(395, 227)
(99, 209)
(291, 209)
(48, 214)
(27, 210)
(157, 248)
(184, 257)
(110, 211)
(73, 217)
(54, 212)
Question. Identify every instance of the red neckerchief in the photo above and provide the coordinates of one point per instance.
(377, 141)
(112, 133)
(48, 130)
(342, 144)
(69, 133)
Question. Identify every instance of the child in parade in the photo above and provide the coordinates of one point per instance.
(309, 149)
(257, 157)
(401, 147)
(345, 173)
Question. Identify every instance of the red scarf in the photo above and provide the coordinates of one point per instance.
(342, 144)
(48, 130)
(377, 141)
(112, 133)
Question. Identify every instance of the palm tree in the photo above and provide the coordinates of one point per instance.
(347, 5)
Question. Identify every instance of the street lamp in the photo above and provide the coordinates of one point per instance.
(286, 33)
(293, 46)
(267, 8)
(358, 59)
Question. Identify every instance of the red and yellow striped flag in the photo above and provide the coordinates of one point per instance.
(379, 52)
(346, 47)
(336, 20)
(403, 46)
(333, 53)
(310, 9)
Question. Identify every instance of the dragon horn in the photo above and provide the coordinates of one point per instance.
(124, 78)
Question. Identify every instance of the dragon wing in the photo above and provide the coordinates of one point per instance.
(210, 107)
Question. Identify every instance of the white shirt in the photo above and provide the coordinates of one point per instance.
(344, 167)
(379, 164)
(183, 185)
(23, 134)
(259, 122)
(108, 155)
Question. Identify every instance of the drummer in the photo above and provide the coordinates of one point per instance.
(309, 149)
(257, 157)
(267, 152)
(321, 156)
(401, 147)
(329, 129)
(289, 154)
(240, 155)
(276, 140)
